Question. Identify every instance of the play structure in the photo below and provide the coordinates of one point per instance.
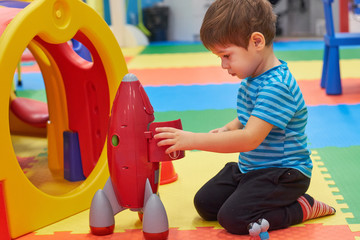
(79, 96)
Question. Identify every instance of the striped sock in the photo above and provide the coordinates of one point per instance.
(313, 208)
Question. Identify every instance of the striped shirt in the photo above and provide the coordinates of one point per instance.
(275, 97)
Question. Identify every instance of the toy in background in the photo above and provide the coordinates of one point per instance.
(114, 13)
(133, 159)
(331, 78)
(354, 6)
(156, 19)
(259, 230)
(140, 24)
(79, 107)
(81, 50)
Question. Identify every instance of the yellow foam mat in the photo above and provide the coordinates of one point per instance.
(33, 159)
(194, 170)
(174, 60)
(132, 51)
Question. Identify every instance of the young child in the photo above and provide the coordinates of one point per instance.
(274, 168)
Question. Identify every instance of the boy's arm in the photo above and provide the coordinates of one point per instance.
(241, 140)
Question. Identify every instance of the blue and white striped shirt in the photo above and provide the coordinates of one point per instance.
(275, 97)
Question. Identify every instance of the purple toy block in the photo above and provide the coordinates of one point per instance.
(73, 170)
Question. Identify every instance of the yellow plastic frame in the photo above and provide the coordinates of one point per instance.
(55, 21)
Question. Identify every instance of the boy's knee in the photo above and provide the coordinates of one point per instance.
(233, 222)
(204, 210)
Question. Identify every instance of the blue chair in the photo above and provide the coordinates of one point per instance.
(330, 79)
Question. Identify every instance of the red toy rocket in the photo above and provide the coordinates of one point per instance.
(133, 159)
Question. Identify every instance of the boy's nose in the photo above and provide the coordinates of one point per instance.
(224, 64)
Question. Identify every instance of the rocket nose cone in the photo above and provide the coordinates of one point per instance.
(130, 78)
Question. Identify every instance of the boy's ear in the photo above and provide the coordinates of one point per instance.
(258, 40)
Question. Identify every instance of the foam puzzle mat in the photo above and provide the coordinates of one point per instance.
(185, 81)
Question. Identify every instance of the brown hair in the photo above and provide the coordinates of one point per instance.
(233, 22)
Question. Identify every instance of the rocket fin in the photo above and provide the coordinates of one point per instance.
(110, 194)
(148, 191)
(155, 221)
(101, 215)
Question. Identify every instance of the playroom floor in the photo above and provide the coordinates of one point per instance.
(185, 81)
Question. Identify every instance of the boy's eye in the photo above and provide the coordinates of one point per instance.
(226, 56)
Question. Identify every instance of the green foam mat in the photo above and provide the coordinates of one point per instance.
(311, 55)
(288, 55)
(198, 121)
(186, 48)
(33, 94)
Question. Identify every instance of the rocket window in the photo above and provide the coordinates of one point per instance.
(115, 140)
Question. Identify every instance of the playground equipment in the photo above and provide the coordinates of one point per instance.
(79, 96)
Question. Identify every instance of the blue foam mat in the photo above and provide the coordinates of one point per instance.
(30, 81)
(195, 97)
(328, 126)
(334, 126)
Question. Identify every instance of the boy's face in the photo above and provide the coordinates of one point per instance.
(237, 60)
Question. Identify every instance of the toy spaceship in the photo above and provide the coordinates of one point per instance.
(133, 160)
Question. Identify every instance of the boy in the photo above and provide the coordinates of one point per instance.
(274, 168)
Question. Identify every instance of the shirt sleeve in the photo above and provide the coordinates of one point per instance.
(275, 104)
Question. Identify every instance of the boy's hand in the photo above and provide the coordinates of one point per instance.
(178, 139)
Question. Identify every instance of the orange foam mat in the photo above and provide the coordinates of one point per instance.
(30, 68)
(216, 75)
(309, 231)
(314, 95)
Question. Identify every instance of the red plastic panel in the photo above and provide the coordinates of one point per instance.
(4, 228)
(30, 111)
(87, 95)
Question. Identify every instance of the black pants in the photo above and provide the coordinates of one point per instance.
(236, 199)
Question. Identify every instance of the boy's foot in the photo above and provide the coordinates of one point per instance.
(313, 208)
(254, 229)
(264, 225)
(258, 229)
